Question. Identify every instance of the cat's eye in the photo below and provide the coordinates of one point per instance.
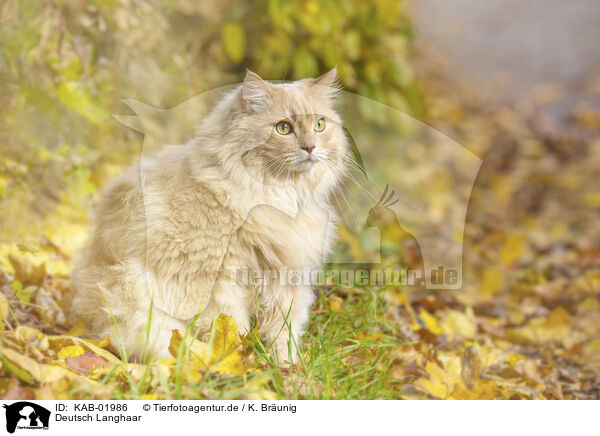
(283, 128)
(320, 125)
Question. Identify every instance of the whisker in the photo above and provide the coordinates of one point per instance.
(347, 158)
(366, 191)
(338, 189)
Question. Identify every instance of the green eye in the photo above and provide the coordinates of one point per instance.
(320, 125)
(283, 128)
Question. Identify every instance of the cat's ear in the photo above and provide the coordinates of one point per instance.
(327, 84)
(328, 79)
(256, 93)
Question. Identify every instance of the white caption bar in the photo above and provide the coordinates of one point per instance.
(299, 417)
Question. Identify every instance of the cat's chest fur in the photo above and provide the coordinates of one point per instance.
(281, 240)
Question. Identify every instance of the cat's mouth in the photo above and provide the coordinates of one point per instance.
(307, 162)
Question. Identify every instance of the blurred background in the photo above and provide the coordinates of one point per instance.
(66, 65)
(515, 83)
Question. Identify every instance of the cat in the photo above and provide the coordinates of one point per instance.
(252, 191)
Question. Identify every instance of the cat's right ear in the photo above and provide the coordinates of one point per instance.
(256, 93)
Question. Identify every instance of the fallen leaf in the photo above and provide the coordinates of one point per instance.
(335, 303)
(26, 271)
(459, 323)
(491, 283)
(85, 362)
(70, 351)
(512, 249)
(430, 322)
(4, 310)
(221, 354)
(439, 383)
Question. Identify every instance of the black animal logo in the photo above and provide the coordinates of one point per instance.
(26, 415)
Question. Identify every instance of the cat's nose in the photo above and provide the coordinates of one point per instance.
(308, 148)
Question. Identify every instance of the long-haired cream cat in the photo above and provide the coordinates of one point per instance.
(251, 192)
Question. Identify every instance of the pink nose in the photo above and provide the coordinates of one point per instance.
(308, 148)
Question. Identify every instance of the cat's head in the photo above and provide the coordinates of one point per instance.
(289, 133)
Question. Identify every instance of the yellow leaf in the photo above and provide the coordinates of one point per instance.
(516, 317)
(193, 354)
(224, 338)
(335, 303)
(31, 257)
(591, 200)
(27, 272)
(512, 249)
(170, 361)
(459, 323)
(554, 328)
(490, 356)
(590, 304)
(138, 371)
(591, 351)
(58, 342)
(192, 345)
(4, 307)
(558, 317)
(230, 365)
(220, 354)
(69, 236)
(3, 187)
(484, 390)
(430, 322)
(104, 343)
(16, 286)
(440, 383)
(29, 335)
(233, 38)
(257, 390)
(70, 351)
(377, 336)
(78, 329)
(41, 372)
(513, 358)
(491, 282)
(4, 310)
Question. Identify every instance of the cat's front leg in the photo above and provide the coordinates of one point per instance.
(285, 311)
(231, 299)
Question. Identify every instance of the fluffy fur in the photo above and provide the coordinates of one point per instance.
(239, 196)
